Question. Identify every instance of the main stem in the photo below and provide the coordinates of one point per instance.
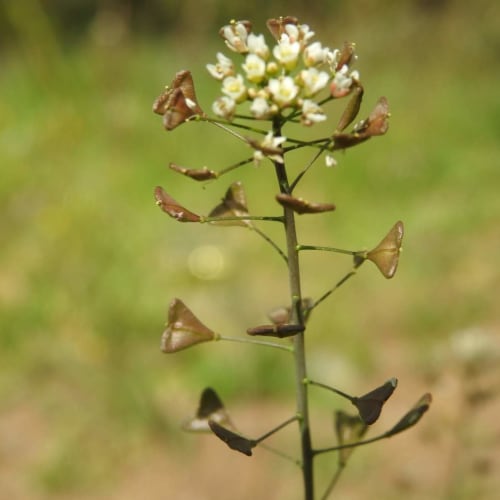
(298, 340)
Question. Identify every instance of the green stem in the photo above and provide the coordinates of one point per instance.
(330, 388)
(276, 429)
(298, 340)
(280, 453)
(242, 218)
(308, 166)
(333, 481)
(246, 161)
(223, 124)
(329, 292)
(326, 249)
(351, 445)
(271, 242)
(244, 340)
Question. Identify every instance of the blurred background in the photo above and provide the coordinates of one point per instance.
(90, 407)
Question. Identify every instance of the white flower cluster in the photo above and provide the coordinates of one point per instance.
(289, 75)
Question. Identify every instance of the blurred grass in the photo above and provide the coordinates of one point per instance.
(88, 264)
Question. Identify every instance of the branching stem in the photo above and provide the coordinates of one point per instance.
(298, 340)
(244, 340)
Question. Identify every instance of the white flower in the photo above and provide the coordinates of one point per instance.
(311, 113)
(283, 90)
(260, 108)
(330, 161)
(298, 33)
(235, 36)
(269, 147)
(234, 88)
(287, 52)
(305, 33)
(343, 81)
(332, 58)
(257, 45)
(315, 54)
(224, 107)
(255, 68)
(224, 67)
(313, 80)
(292, 32)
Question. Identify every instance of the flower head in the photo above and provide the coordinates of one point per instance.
(286, 77)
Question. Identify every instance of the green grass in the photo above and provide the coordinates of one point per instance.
(88, 264)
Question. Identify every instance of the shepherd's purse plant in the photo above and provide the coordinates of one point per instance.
(265, 90)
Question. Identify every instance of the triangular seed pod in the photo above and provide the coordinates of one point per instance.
(233, 440)
(209, 408)
(370, 405)
(277, 330)
(352, 109)
(386, 254)
(178, 102)
(184, 329)
(413, 416)
(173, 208)
(349, 429)
(198, 174)
(301, 206)
(234, 204)
(277, 25)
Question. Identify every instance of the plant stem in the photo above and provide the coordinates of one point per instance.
(329, 292)
(326, 249)
(351, 445)
(270, 241)
(244, 340)
(330, 388)
(241, 218)
(333, 481)
(276, 429)
(298, 340)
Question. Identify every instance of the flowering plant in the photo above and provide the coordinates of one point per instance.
(289, 82)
